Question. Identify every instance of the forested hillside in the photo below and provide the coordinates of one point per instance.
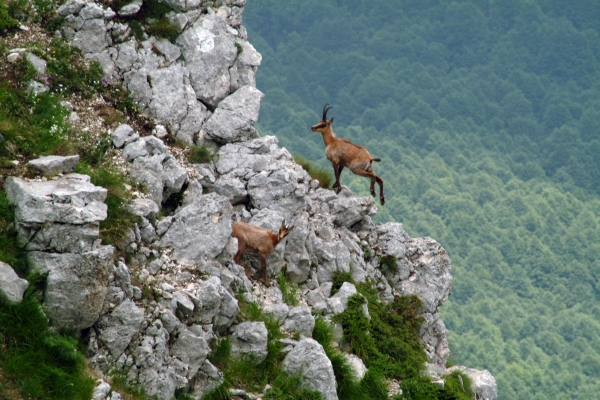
(486, 115)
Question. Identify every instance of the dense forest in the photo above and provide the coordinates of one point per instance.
(486, 115)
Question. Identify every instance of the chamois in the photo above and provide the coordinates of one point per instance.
(259, 239)
(343, 153)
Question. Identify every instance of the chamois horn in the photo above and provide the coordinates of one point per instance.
(325, 109)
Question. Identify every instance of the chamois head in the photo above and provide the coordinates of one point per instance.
(323, 124)
(284, 230)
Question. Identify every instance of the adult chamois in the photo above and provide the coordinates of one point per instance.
(259, 239)
(343, 153)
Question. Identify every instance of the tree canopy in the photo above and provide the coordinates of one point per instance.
(486, 115)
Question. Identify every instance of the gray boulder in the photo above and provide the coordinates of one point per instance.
(209, 51)
(308, 359)
(53, 165)
(117, 328)
(200, 229)
(249, 340)
(70, 200)
(192, 350)
(483, 383)
(300, 320)
(123, 135)
(12, 287)
(76, 285)
(234, 119)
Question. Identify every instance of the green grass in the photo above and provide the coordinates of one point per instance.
(288, 289)
(119, 219)
(245, 374)
(315, 172)
(42, 363)
(7, 23)
(199, 155)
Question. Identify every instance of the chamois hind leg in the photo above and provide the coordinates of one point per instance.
(372, 188)
(263, 269)
(372, 176)
(238, 256)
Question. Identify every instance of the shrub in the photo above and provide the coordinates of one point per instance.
(320, 174)
(338, 278)
(388, 264)
(7, 23)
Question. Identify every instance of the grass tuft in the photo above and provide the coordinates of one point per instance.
(199, 155)
(288, 289)
(44, 364)
(315, 172)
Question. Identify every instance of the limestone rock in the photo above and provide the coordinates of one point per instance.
(308, 360)
(249, 340)
(76, 285)
(200, 229)
(117, 329)
(482, 382)
(53, 165)
(12, 287)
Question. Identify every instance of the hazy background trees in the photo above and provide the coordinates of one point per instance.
(486, 115)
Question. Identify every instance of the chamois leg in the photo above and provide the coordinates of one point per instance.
(340, 168)
(372, 188)
(238, 256)
(263, 270)
(336, 170)
(372, 176)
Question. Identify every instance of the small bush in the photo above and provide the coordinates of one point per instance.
(338, 278)
(388, 264)
(320, 174)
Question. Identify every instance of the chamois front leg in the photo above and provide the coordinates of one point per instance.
(337, 170)
(263, 269)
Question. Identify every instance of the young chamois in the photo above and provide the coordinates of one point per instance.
(343, 153)
(259, 239)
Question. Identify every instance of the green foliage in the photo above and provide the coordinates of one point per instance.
(199, 155)
(245, 374)
(43, 363)
(288, 289)
(315, 172)
(7, 23)
(388, 264)
(119, 219)
(338, 278)
(151, 19)
(488, 133)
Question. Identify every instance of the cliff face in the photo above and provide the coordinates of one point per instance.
(201, 89)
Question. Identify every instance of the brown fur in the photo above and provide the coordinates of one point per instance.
(259, 239)
(343, 153)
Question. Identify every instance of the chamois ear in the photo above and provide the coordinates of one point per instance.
(331, 121)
